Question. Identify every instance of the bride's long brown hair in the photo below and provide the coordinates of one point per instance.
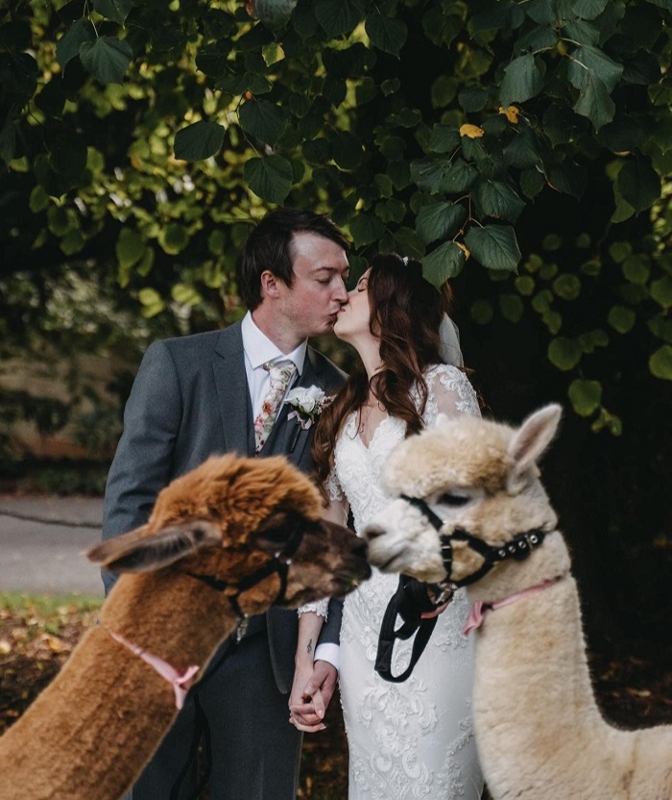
(406, 312)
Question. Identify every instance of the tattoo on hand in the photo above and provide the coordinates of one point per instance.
(309, 649)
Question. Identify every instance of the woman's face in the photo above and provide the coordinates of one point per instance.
(354, 317)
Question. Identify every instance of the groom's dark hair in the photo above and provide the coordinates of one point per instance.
(269, 247)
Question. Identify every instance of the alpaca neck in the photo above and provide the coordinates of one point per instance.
(95, 726)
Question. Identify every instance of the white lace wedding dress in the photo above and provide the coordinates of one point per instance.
(414, 739)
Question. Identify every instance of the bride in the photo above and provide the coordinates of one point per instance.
(413, 739)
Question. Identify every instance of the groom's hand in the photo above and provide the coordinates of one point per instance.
(310, 706)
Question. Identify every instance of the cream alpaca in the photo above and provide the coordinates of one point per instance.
(89, 734)
(539, 732)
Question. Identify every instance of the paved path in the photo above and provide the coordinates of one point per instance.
(40, 554)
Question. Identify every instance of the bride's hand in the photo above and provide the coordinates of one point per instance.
(439, 609)
(307, 705)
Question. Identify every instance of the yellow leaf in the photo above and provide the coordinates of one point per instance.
(511, 113)
(5, 647)
(471, 131)
(465, 249)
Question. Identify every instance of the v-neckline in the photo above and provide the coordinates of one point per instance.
(358, 435)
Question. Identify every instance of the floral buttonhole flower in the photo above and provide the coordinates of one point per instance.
(308, 403)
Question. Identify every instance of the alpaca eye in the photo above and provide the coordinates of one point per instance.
(455, 500)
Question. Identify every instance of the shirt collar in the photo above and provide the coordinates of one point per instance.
(259, 348)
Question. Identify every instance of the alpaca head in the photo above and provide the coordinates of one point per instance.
(252, 526)
(474, 475)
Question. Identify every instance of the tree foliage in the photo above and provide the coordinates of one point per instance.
(147, 136)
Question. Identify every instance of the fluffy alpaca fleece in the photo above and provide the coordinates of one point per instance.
(89, 734)
(539, 732)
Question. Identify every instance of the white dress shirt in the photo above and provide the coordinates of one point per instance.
(259, 349)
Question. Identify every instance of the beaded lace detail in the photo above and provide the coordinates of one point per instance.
(415, 739)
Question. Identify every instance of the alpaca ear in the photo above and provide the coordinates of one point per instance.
(532, 439)
(135, 552)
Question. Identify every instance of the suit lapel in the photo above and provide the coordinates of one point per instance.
(233, 392)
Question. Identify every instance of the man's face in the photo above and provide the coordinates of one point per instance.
(310, 306)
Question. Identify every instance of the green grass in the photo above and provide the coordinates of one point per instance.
(48, 603)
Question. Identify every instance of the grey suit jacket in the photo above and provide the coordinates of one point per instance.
(190, 400)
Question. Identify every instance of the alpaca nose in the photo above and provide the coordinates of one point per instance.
(360, 549)
(372, 532)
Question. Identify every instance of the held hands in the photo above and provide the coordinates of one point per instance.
(312, 690)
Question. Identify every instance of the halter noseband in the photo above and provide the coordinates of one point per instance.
(518, 548)
(278, 565)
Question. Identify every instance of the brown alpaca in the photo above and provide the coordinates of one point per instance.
(232, 521)
(471, 510)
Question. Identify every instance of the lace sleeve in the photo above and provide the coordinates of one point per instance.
(336, 512)
(450, 393)
(320, 607)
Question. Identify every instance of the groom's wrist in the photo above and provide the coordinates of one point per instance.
(329, 652)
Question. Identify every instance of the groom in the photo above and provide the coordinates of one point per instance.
(198, 395)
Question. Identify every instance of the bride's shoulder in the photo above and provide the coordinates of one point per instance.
(443, 372)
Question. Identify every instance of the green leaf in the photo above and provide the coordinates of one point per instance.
(439, 221)
(443, 263)
(443, 175)
(107, 58)
(185, 295)
(594, 101)
(589, 9)
(68, 46)
(511, 307)
(444, 138)
(408, 242)
(173, 238)
(482, 312)
(522, 80)
(200, 140)
(263, 120)
(386, 34)
(587, 59)
(247, 82)
(365, 229)
(660, 363)
(269, 178)
(661, 291)
(494, 246)
(38, 199)
(636, 269)
(564, 353)
(497, 199)
(152, 303)
(338, 18)
(621, 319)
(568, 287)
(473, 99)
(525, 285)
(639, 184)
(130, 248)
(585, 396)
(116, 10)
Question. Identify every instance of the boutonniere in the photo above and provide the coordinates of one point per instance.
(308, 403)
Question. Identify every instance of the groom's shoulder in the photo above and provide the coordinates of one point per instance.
(198, 343)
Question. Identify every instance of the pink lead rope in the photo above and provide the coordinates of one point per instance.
(478, 609)
(180, 683)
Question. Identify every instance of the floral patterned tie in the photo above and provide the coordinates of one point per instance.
(281, 373)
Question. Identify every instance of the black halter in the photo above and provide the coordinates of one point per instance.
(518, 548)
(278, 565)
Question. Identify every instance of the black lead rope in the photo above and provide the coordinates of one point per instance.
(409, 601)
